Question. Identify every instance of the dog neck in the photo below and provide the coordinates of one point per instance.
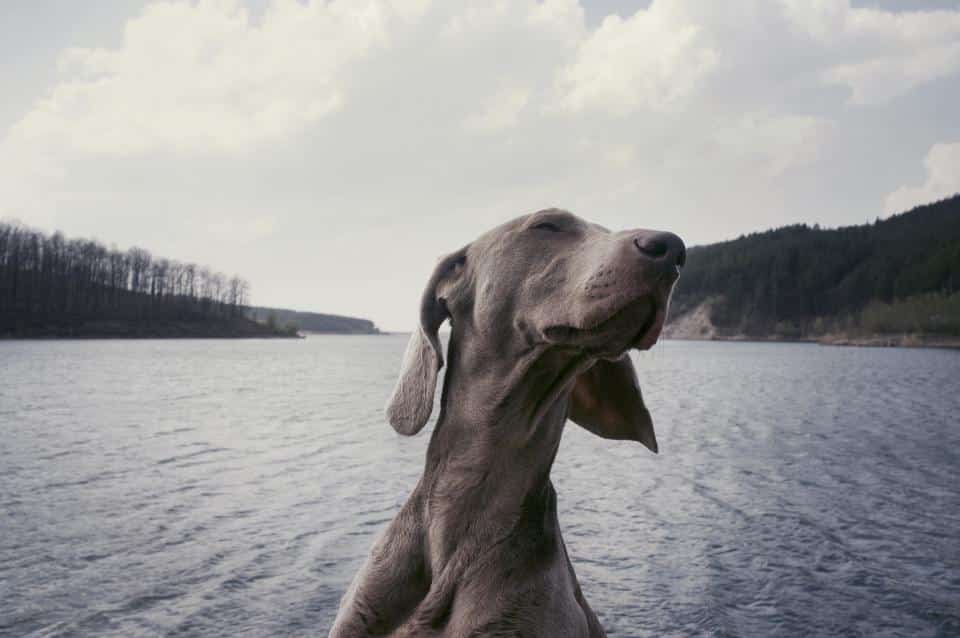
(490, 455)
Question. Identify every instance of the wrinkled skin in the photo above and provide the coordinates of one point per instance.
(542, 310)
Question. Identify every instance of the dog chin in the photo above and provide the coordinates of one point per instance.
(635, 325)
(648, 336)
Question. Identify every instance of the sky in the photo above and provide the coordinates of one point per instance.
(330, 152)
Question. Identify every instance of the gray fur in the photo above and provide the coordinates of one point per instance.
(542, 311)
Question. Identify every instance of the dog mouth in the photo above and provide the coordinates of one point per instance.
(635, 325)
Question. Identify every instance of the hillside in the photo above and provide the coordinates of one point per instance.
(51, 286)
(897, 276)
(312, 321)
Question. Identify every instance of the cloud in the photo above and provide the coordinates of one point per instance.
(876, 54)
(501, 111)
(942, 165)
(207, 77)
(310, 132)
(774, 144)
(651, 60)
(665, 56)
(213, 77)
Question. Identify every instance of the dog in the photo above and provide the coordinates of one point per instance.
(543, 310)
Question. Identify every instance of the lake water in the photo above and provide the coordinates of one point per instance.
(233, 488)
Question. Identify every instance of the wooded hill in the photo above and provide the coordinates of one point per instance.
(897, 275)
(312, 321)
(54, 286)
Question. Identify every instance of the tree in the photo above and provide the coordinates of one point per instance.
(53, 284)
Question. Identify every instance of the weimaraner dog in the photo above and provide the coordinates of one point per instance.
(543, 310)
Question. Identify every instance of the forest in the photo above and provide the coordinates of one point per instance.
(312, 321)
(54, 286)
(900, 274)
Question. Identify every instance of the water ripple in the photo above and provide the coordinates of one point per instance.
(234, 488)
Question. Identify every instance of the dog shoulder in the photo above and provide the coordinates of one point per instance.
(392, 582)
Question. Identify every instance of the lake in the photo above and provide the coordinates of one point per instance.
(233, 488)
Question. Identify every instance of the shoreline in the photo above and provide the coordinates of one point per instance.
(132, 336)
(106, 337)
(162, 329)
(865, 341)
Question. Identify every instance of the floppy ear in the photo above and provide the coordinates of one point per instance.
(606, 400)
(411, 403)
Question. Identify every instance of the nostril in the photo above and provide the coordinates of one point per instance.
(653, 247)
(665, 248)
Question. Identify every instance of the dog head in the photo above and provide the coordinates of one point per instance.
(542, 282)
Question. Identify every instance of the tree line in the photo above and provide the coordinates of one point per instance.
(51, 284)
(801, 281)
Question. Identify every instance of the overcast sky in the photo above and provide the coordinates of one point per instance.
(329, 152)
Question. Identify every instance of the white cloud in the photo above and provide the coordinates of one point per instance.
(878, 54)
(212, 77)
(207, 77)
(651, 60)
(663, 57)
(563, 18)
(219, 134)
(881, 79)
(501, 111)
(942, 164)
(773, 144)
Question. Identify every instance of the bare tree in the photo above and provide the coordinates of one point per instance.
(50, 283)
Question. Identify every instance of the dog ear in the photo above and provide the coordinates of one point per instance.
(411, 402)
(606, 400)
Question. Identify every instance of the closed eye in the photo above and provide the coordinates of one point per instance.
(547, 226)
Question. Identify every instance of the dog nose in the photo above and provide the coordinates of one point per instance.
(662, 247)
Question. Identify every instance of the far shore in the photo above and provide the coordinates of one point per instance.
(861, 341)
(183, 333)
(186, 330)
(237, 328)
(320, 333)
(134, 337)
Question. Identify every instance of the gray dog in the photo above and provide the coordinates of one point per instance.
(542, 311)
